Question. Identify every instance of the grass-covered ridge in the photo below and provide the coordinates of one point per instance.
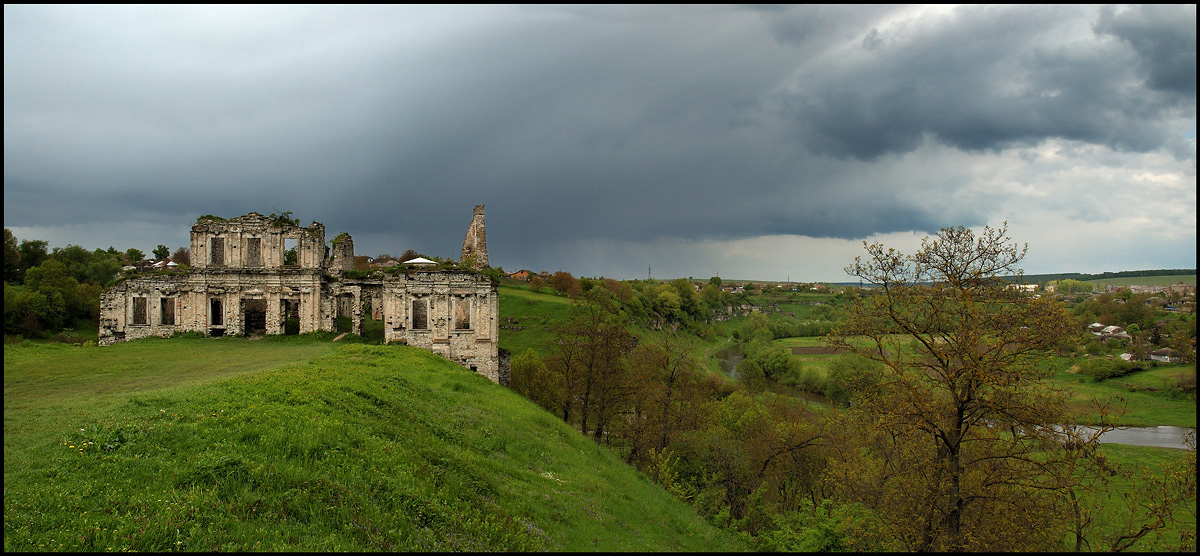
(357, 447)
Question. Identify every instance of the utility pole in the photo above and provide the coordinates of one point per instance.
(648, 273)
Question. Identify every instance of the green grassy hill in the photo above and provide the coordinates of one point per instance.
(528, 317)
(301, 444)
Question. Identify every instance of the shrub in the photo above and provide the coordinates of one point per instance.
(1104, 368)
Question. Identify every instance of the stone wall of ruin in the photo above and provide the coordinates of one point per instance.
(450, 300)
(233, 239)
(194, 311)
(458, 317)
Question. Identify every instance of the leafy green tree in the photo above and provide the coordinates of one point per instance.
(528, 374)
(52, 277)
(134, 256)
(665, 400)
(76, 260)
(589, 363)
(713, 297)
(752, 456)
(1071, 285)
(851, 377)
(31, 313)
(51, 299)
(101, 271)
(961, 400)
(689, 300)
(750, 373)
(586, 284)
(667, 303)
(33, 253)
(161, 252)
(777, 364)
(12, 257)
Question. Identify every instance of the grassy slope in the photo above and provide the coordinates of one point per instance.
(534, 313)
(200, 444)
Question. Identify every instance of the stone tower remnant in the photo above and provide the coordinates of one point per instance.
(474, 248)
(341, 256)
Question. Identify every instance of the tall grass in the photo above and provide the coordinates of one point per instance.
(200, 444)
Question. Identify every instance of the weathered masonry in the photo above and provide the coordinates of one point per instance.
(255, 275)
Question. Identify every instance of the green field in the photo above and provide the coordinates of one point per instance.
(301, 444)
(1146, 396)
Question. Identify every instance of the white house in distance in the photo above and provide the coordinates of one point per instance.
(1165, 355)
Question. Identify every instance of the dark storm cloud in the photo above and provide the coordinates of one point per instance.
(571, 124)
(983, 77)
(1164, 38)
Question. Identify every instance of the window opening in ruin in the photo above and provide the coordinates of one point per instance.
(216, 316)
(167, 310)
(139, 311)
(255, 316)
(462, 313)
(254, 251)
(291, 317)
(290, 255)
(420, 314)
(217, 251)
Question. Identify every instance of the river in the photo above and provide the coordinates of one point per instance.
(1157, 437)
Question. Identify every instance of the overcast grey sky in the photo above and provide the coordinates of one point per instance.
(746, 142)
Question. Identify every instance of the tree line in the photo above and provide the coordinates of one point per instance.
(1082, 277)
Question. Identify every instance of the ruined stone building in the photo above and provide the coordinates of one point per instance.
(255, 275)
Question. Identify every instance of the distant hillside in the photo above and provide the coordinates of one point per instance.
(1182, 273)
(361, 447)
